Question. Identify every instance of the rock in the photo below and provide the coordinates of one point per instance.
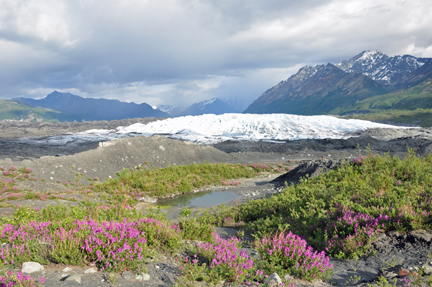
(273, 281)
(421, 235)
(288, 277)
(67, 269)
(30, 267)
(127, 275)
(389, 274)
(311, 168)
(403, 272)
(142, 277)
(74, 278)
(146, 277)
(91, 270)
(148, 199)
(427, 269)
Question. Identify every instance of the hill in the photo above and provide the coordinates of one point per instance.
(412, 105)
(14, 110)
(316, 90)
(90, 109)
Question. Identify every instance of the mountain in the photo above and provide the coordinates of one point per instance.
(214, 106)
(414, 77)
(386, 70)
(321, 89)
(367, 81)
(418, 96)
(90, 109)
(17, 111)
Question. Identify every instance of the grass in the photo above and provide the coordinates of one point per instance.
(174, 180)
(337, 214)
(342, 211)
(14, 110)
(419, 117)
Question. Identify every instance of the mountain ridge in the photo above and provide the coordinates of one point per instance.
(91, 109)
(347, 86)
(309, 91)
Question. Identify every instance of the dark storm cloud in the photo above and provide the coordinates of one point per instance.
(183, 51)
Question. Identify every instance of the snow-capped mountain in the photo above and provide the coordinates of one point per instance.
(210, 129)
(212, 106)
(316, 90)
(337, 89)
(381, 68)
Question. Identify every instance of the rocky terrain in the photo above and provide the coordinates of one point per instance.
(397, 255)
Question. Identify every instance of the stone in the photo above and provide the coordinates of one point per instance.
(127, 275)
(288, 277)
(67, 269)
(427, 269)
(74, 278)
(389, 274)
(421, 235)
(30, 267)
(91, 270)
(145, 276)
(403, 272)
(273, 280)
(148, 199)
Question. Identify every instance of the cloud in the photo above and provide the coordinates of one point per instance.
(183, 51)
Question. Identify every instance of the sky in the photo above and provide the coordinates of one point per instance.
(179, 52)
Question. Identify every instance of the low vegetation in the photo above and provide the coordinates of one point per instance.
(337, 214)
(14, 110)
(419, 117)
(173, 180)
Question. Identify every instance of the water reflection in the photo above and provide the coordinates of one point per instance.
(200, 199)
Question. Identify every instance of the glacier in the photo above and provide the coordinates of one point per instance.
(210, 129)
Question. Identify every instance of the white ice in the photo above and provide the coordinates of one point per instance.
(211, 129)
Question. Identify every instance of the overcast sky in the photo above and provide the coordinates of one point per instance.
(184, 51)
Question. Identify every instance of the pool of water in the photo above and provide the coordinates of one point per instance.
(200, 199)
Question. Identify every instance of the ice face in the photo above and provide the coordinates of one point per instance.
(211, 129)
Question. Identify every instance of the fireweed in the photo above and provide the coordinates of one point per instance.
(342, 211)
(113, 246)
(222, 261)
(291, 253)
(8, 279)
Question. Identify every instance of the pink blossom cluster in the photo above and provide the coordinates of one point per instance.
(224, 258)
(111, 245)
(292, 253)
(10, 279)
(358, 161)
(232, 183)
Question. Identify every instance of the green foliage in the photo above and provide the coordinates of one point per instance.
(420, 116)
(172, 180)
(343, 210)
(195, 230)
(14, 110)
